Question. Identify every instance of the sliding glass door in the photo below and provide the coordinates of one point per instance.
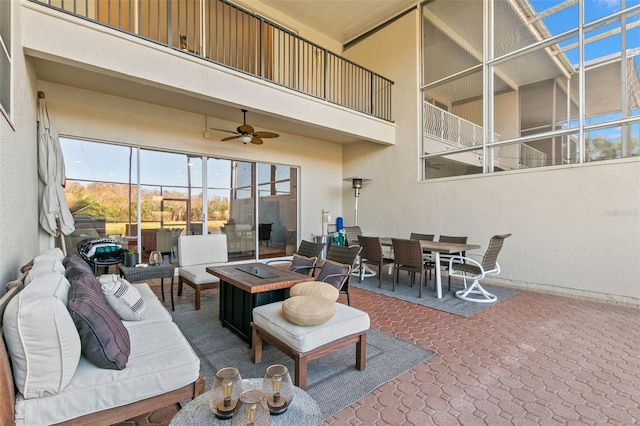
(147, 198)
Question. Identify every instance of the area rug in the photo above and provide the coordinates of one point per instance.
(332, 381)
(449, 302)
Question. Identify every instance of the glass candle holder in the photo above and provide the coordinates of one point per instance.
(277, 388)
(227, 387)
(252, 409)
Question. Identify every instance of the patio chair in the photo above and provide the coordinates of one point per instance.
(352, 233)
(467, 267)
(306, 250)
(444, 258)
(407, 256)
(426, 255)
(345, 255)
(372, 255)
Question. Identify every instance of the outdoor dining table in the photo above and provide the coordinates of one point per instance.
(436, 248)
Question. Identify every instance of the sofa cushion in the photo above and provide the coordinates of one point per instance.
(161, 360)
(315, 288)
(124, 298)
(104, 339)
(44, 266)
(345, 322)
(75, 261)
(303, 264)
(308, 311)
(41, 337)
(197, 274)
(54, 253)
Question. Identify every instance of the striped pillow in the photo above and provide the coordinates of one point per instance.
(124, 298)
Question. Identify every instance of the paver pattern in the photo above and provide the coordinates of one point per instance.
(535, 358)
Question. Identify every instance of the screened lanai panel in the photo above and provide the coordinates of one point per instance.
(445, 51)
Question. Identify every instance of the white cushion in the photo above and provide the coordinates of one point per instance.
(44, 266)
(155, 310)
(202, 249)
(54, 253)
(345, 321)
(41, 337)
(124, 298)
(161, 360)
(197, 274)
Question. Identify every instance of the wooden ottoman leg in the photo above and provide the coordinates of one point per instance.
(301, 372)
(361, 352)
(198, 297)
(256, 347)
(180, 286)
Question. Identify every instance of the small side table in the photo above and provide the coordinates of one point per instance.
(303, 411)
(162, 270)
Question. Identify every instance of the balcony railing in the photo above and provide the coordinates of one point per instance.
(531, 157)
(229, 35)
(451, 129)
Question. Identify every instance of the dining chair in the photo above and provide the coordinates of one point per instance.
(444, 258)
(372, 255)
(345, 255)
(426, 255)
(467, 267)
(407, 256)
(352, 233)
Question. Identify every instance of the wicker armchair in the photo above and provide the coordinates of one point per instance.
(372, 255)
(407, 256)
(306, 249)
(467, 267)
(348, 256)
(426, 255)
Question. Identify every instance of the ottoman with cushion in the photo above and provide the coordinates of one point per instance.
(304, 343)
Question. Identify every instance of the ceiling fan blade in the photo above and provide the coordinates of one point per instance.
(256, 140)
(228, 138)
(245, 128)
(223, 130)
(266, 135)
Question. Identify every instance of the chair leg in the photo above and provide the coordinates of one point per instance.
(180, 286)
(476, 289)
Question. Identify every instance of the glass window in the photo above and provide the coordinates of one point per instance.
(102, 192)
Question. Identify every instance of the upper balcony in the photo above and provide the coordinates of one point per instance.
(205, 52)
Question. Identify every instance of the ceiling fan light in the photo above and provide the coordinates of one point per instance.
(245, 139)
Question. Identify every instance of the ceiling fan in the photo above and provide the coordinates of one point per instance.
(246, 133)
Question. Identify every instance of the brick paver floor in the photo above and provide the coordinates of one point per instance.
(534, 358)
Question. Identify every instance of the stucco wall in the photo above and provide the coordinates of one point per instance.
(85, 114)
(576, 229)
(19, 237)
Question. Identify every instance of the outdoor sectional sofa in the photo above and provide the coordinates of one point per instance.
(49, 372)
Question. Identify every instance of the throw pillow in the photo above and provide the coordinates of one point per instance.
(302, 264)
(315, 288)
(103, 337)
(41, 337)
(75, 261)
(124, 298)
(308, 311)
(334, 273)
